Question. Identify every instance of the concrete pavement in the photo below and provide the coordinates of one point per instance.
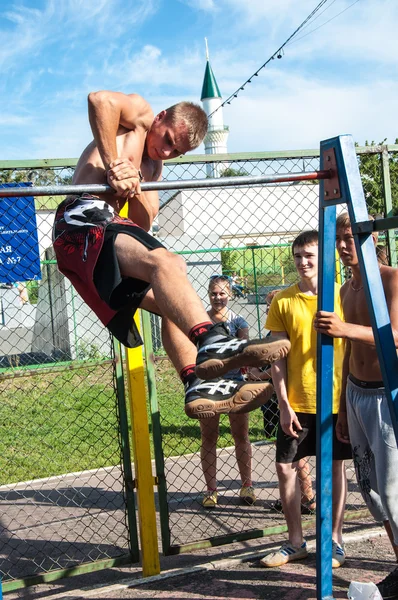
(237, 577)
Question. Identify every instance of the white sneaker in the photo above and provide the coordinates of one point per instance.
(338, 555)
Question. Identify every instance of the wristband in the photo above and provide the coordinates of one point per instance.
(140, 175)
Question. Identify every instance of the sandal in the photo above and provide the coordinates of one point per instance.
(308, 507)
(277, 506)
(209, 499)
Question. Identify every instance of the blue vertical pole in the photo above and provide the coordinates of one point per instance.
(324, 406)
(370, 273)
(345, 186)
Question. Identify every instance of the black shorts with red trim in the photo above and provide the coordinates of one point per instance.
(84, 234)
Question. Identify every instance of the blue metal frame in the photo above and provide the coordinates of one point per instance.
(324, 407)
(370, 273)
(349, 191)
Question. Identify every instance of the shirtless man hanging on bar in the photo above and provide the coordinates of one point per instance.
(118, 267)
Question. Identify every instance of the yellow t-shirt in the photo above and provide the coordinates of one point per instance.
(293, 311)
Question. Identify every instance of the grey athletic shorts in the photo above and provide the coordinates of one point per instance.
(375, 451)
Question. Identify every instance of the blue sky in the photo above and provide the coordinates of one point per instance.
(340, 78)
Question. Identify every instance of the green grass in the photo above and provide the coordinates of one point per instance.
(55, 423)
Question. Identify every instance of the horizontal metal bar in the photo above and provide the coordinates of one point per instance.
(251, 534)
(79, 569)
(363, 227)
(387, 223)
(178, 184)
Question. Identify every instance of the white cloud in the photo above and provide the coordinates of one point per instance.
(16, 45)
(64, 20)
(202, 5)
(366, 32)
(301, 113)
(63, 137)
(340, 78)
(362, 31)
(151, 69)
(11, 120)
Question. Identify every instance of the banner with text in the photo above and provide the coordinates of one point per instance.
(19, 246)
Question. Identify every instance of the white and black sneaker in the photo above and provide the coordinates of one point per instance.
(204, 399)
(218, 352)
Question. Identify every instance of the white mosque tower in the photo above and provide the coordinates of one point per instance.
(217, 134)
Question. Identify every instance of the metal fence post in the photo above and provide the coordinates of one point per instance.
(125, 446)
(256, 292)
(142, 456)
(142, 461)
(156, 432)
(385, 161)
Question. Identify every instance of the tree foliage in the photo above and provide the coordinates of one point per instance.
(231, 172)
(229, 261)
(36, 176)
(370, 166)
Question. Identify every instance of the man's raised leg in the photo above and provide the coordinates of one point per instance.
(204, 399)
(176, 299)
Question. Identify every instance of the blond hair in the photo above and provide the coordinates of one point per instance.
(343, 221)
(194, 118)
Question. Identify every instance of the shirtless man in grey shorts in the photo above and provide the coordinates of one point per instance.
(117, 266)
(364, 418)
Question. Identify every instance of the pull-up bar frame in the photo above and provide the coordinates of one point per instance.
(180, 184)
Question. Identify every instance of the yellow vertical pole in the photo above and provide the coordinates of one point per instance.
(338, 269)
(142, 462)
(282, 267)
(142, 457)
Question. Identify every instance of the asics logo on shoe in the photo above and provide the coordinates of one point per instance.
(221, 347)
(223, 386)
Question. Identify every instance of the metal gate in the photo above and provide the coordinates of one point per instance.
(66, 505)
(66, 493)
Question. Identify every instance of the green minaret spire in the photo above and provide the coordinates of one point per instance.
(210, 88)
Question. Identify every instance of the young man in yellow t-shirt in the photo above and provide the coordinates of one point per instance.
(291, 317)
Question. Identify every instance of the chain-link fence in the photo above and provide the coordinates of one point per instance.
(244, 233)
(61, 493)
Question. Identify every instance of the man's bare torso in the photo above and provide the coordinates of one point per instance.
(364, 362)
(130, 144)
